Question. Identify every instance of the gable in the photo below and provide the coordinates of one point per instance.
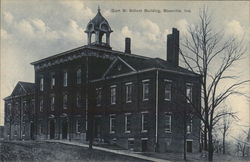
(118, 67)
(18, 90)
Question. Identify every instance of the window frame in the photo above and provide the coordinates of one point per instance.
(98, 96)
(143, 114)
(65, 78)
(113, 94)
(168, 130)
(189, 98)
(52, 104)
(112, 118)
(65, 103)
(79, 76)
(78, 100)
(41, 104)
(41, 84)
(126, 123)
(167, 91)
(145, 92)
(52, 80)
(128, 90)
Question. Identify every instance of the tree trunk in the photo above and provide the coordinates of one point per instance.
(184, 138)
(223, 142)
(90, 131)
(210, 145)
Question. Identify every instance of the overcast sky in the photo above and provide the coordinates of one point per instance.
(31, 30)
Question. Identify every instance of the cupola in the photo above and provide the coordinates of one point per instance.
(99, 27)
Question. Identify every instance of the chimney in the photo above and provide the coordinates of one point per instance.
(173, 47)
(127, 45)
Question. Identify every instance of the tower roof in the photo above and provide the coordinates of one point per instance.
(98, 23)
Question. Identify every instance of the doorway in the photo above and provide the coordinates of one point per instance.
(64, 130)
(144, 145)
(32, 130)
(52, 129)
(189, 146)
(97, 127)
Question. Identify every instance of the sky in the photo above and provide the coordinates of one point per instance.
(32, 30)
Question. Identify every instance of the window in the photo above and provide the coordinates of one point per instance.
(65, 79)
(113, 94)
(52, 81)
(41, 84)
(189, 126)
(128, 92)
(131, 142)
(145, 89)
(9, 106)
(41, 105)
(99, 96)
(78, 126)
(112, 124)
(65, 101)
(52, 102)
(167, 124)
(144, 122)
(168, 85)
(189, 93)
(78, 100)
(79, 76)
(127, 122)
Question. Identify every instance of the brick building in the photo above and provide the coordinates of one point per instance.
(137, 102)
(19, 112)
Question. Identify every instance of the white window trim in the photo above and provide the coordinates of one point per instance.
(110, 124)
(111, 87)
(168, 81)
(126, 85)
(77, 77)
(191, 127)
(65, 79)
(99, 89)
(41, 83)
(65, 106)
(78, 124)
(142, 122)
(52, 107)
(170, 114)
(191, 99)
(143, 95)
(126, 121)
(145, 80)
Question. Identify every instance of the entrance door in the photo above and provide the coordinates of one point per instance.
(97, 126)
(52, 129)
(64, 130)
(189, 146)
(32, 130)
(144, 146)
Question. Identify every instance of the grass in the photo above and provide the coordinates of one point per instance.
(55, 152)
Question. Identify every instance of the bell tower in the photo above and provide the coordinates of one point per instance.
(100, 29)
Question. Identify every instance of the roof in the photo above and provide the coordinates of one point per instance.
(138, 62)
(22, 88)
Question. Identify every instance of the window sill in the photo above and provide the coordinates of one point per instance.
(128, 102)
(127, 131)
(112, 132)
(144, 131)
(168, 132)
(167, 99)
(145, 99)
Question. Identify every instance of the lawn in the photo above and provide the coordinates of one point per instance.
(55, 152)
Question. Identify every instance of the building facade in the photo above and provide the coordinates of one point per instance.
(136, 102)
(19, 112)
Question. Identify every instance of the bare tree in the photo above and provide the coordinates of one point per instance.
(242, 144)
(210, 54)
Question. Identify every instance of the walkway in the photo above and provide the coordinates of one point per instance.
(120, 152)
